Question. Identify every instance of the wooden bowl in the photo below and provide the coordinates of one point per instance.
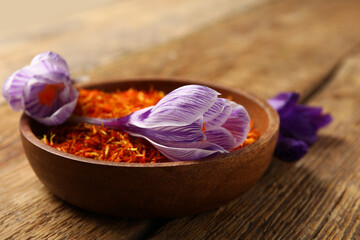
(154, 190)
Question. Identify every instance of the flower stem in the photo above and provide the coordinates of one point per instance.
(114, 123)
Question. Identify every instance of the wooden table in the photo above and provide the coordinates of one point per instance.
(261, 46)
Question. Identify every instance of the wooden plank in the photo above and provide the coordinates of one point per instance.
(283, 45)
(339, 164)
(317, 197)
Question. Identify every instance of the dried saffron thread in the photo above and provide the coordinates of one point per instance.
(102, 143)
(100, 104)
(107, 144)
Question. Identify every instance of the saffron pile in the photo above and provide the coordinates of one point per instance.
(107, 144)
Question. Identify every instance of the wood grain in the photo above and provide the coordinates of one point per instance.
(282, 45)
(100, 35)
(317, 197)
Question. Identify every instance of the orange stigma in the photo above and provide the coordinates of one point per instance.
(203, 127)
(47, 96)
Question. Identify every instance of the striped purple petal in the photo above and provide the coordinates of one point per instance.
(186, 151)
(238, 123)
(217, 115)
(181, 107)
(174, 134)
(49, 62)
(221, 137)
(13, 87)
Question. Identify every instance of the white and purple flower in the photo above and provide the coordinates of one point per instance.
(299, 125)
(189, 123)
(43, 89)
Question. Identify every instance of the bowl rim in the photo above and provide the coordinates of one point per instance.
(272, 128)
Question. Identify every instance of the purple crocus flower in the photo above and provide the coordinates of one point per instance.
(189, 123)
(298, 126)
(43, 89)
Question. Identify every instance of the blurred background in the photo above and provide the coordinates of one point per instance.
(100, 30)
(17, 16)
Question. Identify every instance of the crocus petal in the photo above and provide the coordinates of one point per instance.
(181, 107)
(298, 127)
(284, 102)
(215, 109)
(174, 134)
(186, 152)
(302, 123)
(222, 137)
(238, 123)
(315, 115)
(13, 88)
(289, 149)
(322, 120)
(217, 115)
(46, 62)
